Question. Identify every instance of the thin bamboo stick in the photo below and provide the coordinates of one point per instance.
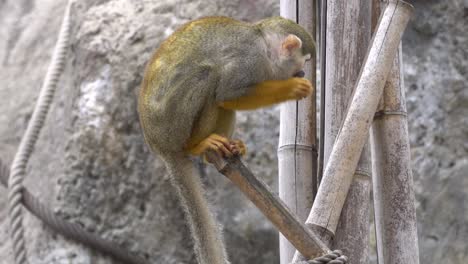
(395, 214)
(297, 151)
(323, 61)
(270, 205)
(351, 138)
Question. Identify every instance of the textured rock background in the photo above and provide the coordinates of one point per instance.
(436, 78)
(91, 164)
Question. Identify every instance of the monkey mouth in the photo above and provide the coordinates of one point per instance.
(299, 74)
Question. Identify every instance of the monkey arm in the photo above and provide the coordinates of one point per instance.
(268, 93)
(263, 94)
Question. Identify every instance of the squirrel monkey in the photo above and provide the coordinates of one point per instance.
(192, 86)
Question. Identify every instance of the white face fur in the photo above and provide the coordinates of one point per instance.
(285, 60)
(291, 58)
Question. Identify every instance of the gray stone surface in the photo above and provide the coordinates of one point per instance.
(436, 78)
(92, 166)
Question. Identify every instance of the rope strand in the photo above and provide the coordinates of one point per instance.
(70, 230)
(28, 141)
(335, 257)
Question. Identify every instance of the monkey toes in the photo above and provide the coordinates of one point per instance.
(238, 147)
(217, 143)
(221, 145)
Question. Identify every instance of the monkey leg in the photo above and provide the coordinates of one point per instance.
(238, 147)
(271, 92)
(215, 142)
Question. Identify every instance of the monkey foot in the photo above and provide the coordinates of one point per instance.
(238, 147)
(217, 143)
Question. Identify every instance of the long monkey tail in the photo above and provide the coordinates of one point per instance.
(208, 242)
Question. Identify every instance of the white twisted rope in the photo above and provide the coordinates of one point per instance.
(28, 141)
(334, 257)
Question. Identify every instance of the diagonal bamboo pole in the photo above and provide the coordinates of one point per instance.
(351, 138)
(297, 148)
(270, 205)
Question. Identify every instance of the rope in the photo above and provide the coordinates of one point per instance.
(70, 230)
(18, 194)
(29, 139)
(335, 257)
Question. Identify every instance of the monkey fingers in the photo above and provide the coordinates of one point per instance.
(238, 147)
(300, 88)
(213, 142)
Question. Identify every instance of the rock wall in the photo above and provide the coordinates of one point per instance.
(92, 166)
(436, 79)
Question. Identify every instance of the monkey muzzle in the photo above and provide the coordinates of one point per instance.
(299, 74)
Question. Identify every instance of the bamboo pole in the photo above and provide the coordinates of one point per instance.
(270, 205)
(395, 214)
(348, 38)
(351, 138)
(297, 149)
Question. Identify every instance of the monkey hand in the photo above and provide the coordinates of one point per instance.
(298, 88)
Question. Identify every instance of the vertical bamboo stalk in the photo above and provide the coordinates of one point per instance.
(351, 138)
(297, 151)
(348, 38)
(395, 214)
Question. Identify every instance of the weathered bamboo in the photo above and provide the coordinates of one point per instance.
(270, 205)
(297, 151)
(392, 176)
(351, 138)
(348, 38)
(395, 214)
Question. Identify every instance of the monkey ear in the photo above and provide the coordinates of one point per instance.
(290, 44)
